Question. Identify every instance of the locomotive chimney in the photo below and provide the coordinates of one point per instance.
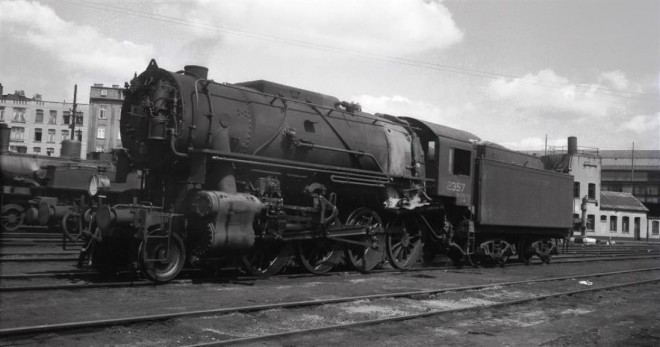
(197, 71)
(572, 145)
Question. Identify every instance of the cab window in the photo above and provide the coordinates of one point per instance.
(459, 162)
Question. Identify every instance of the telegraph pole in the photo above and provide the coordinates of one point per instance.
(73, 112)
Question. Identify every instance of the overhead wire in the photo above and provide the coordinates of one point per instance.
(595, 89)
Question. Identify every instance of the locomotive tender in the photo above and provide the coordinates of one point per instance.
(263, 171)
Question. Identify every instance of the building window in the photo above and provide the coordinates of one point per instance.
(591, 221)
(66, 117)
(51, 136)
(65, 134)
(37, 135)
(17, 134)
(18, 149)
(19, 115)
(104, 92)
(100, 133)
(592, 191)
(576, 189)
(613, 223)
(603, 219)
(102, 112)
(79, 135)
(39, 117)
(79, 118)
(50, 151)
(52, 117)
(459, 162)
(655, 227)
(637, 225)
(36, 150)
(2, 113)
(625, 225)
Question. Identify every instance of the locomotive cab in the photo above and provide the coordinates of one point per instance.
(450, 157)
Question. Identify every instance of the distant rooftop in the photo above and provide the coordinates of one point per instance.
(620, 201)
(623, 159)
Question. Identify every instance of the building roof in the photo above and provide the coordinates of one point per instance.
(620, 201)
(647, 160)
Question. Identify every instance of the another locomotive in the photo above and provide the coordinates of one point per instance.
(48, 190)
(263, 172)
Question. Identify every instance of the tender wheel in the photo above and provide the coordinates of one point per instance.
(366, 257)
(267, 258)
(404, 248)
(12, 218)
(319, 256)
(159, 263)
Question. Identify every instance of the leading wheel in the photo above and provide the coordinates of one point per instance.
(404, 247)
(158, 262)
(12, 218)
(369, 254)
(319, 256)
(266, 258)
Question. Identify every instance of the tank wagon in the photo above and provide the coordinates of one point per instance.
(265, 172)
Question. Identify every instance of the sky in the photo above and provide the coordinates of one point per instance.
(511, 72)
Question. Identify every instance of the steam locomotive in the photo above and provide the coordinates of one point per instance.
(267, 173)
(51, 191)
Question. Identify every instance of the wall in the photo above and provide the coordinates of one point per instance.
(602, 229)
(586, 170)
(9, 104)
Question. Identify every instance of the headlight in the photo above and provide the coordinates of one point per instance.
(98, 183)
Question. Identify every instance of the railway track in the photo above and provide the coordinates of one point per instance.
(397, 306)
(92, 279)
(95, 280)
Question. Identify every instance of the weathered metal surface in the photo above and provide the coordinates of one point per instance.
(509, 195)
(498, 153)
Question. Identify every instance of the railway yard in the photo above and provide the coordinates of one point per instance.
(588, 295)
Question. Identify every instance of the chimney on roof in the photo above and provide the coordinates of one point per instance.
(1, 90)
(572, 145)
(19, 93)
(37, 97)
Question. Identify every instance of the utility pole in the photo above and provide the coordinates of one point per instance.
(73, 112)
(632, 168)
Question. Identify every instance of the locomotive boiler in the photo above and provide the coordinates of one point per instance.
(272, 174)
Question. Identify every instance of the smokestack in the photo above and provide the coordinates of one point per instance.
(572, 145)
(197, 71)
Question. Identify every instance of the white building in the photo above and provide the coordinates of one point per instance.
(622, 216)
(38, 127)
(602, 215)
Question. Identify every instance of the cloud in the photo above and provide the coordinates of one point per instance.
(644, 123)
(381, 27)
(75, 46)
(534, 143)
(546, 91)
(616, 79)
